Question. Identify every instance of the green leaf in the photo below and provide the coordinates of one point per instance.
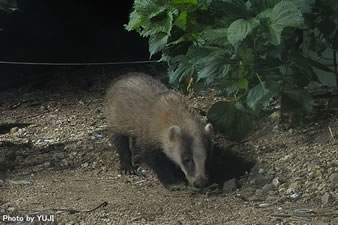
(150, 8)
(300, 69)
(319, 65)
(242, 83)
(159, 24)
(176, 2)
(239, 29)
(180, 69)
(230, 119)
(218, 36)
(284, 14)
(181, 20)
(261, 95)
(232, 9)
(297, 100)
(305, 6)
(134, 21)
(157, 42)
(261, 5)
(217, 66)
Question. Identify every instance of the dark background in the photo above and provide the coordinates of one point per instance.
(65, 31)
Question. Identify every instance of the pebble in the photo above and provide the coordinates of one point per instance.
(261, 180)
(289, 190)
(19, 158)
(230, 185)
(10, 209)
(334, 178)
(275, 116)
(46, 164)
(261, 171)
(24, 182)
(65, 162)
(276, 182)
(294, 196)
(59, 155)
(268, 187)
(326, 198)
(84, 165)
(13, 130)
(294, 185)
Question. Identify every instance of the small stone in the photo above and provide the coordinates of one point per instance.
(65, 162)
(23, 182)
(264, 205)
(267, 187)
(13, 130)
(252, 182)
(261, 171)
(91, 147)
(19, 158)
(294, 186)
(254, 198)
(230, 185)
(59, 155)
(46, 164)
(276, 182)
(334, 178)
(289, 190)
(84, 165)
(275, 117)
(294, 196)
(334, 163)
(275, 128)
(261, 180)
(10, 209)
(326, 198)
(259, 192)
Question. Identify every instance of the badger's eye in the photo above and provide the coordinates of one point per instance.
(187, 160)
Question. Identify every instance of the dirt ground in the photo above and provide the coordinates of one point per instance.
(57, 166)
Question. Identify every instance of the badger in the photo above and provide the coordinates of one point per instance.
(139, 107)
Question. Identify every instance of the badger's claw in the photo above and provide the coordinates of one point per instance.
(129, 170)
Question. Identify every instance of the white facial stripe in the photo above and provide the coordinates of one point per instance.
(200, 157)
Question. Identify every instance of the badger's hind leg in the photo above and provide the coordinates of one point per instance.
(121, 143)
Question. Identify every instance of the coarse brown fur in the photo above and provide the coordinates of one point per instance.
(139, 106)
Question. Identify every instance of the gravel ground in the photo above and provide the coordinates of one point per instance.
(56, 162)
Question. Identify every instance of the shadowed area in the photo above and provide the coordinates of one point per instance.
(225, 165)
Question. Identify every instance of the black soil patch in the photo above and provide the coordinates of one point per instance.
(6, 127)
(227, 165)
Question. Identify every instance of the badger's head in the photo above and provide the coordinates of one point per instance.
(191, 152)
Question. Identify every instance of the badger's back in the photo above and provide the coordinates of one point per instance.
(137, 105)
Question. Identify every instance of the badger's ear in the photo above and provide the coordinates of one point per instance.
(175, 132)
(209, 129)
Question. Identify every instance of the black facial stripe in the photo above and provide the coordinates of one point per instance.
(187, 155)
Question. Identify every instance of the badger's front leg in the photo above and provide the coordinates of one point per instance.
(121, 143)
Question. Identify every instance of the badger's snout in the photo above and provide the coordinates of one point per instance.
(200, 182)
